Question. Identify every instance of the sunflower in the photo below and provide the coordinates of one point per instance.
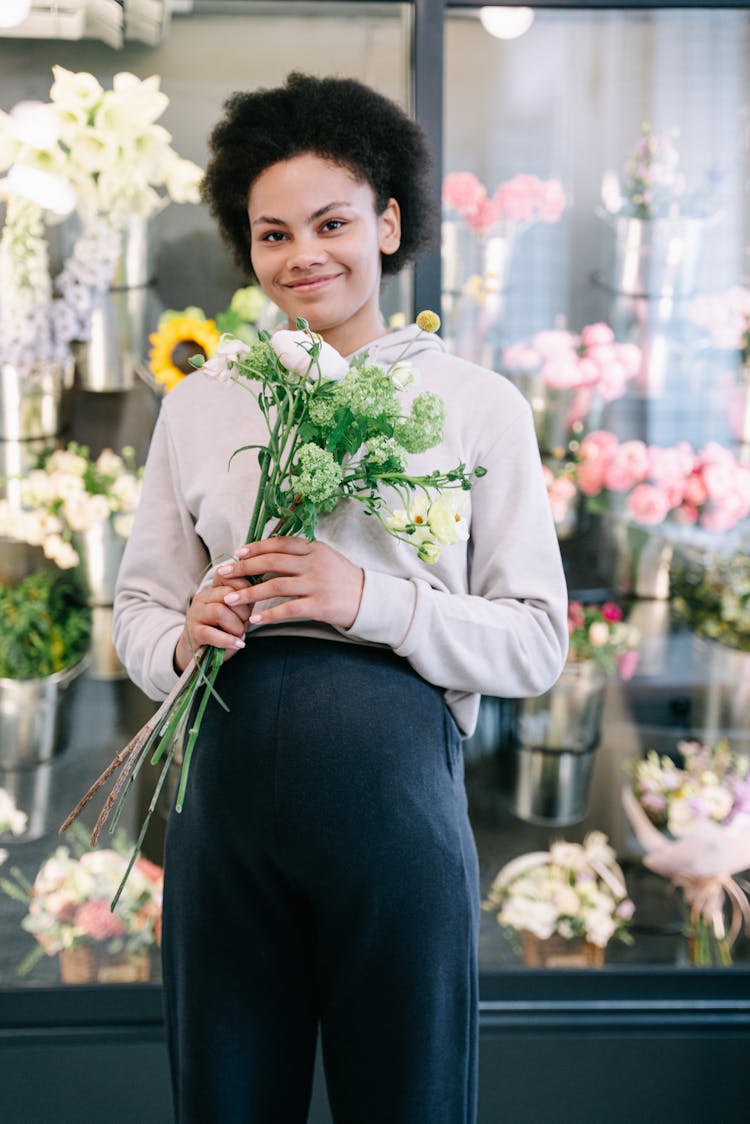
(178, 337)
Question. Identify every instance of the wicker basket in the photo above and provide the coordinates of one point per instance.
(88, 964)
(557, 952)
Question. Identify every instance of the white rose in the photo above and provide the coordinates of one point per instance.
(570, 856)
(109, 463)
(126, 491)
(67, 462)
(567, 901)
(60, 552)
(599, 928)
(445, 518)
(537, 917)
(599, 634)
(293, 349)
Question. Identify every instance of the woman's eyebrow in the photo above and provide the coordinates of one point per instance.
(271, 221)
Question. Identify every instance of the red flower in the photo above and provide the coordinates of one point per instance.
(611, 612)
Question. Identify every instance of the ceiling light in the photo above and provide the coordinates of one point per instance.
(506, 23)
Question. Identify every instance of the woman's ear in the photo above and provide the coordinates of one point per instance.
(389, 228)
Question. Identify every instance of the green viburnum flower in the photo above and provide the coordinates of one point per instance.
(385, 453)
(424, 427)
(369, 391)
(249, 302)
(258, 361)
(321, 410)
(319, 476)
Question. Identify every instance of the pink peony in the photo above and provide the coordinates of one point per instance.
(647, 504)
(599, 444)
(97, 921)
(590, 476)
(695, 492)
(628, 466)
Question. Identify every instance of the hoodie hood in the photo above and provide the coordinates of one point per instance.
(409, 342)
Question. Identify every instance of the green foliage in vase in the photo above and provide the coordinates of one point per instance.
(46, 626)
(712, 597)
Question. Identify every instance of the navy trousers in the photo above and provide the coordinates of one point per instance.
(322, 874)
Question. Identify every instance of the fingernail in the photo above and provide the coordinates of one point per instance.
(239, 644)
(255, 618)
(224, 570)
(231, 598)
(242, 552)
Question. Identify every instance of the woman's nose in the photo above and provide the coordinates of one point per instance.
(306, 254)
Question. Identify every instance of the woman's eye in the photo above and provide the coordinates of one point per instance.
(333, 224)
(273, 236)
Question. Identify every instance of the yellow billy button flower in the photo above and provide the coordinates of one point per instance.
(428, 321)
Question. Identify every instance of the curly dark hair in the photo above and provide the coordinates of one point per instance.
(339, 119)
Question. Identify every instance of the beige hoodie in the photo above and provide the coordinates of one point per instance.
(490, 617)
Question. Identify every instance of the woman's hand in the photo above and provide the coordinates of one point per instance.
(321, 583)
(210, 621)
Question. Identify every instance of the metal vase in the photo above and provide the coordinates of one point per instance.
(720, 697)
(122, 317)
(100, 551)
(35, 403)
(475, 272)
(34, 717)
(656, 257)
(546, 774)
(641, 558)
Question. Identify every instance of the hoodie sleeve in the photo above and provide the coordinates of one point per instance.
(157, 574)
(508, 635)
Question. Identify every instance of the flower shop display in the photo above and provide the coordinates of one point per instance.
(658, 223)
(563, 906)
(182, 335)
(692, 817)
(106, 148)
(69, 914)
(338, 431)
(655, 497)
(564, 497)
(478, 237)
(43, 645)
(726, 318)
(546, 773)
(569, 377)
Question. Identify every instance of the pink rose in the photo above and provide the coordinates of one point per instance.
(629, 465)
(611, 611)
(520, 357)
(484, 216)
(463, 192)
(648, 505)
(696, 492)
(595, 334)
(724, 515)
(718, 478)
(600, 443)
(97, 921)
(590, 476)
(515, 199)
(561, 372)
(627, 664)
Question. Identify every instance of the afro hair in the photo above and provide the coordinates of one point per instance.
(339, 119)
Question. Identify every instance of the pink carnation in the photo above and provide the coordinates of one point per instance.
(97, 921)
(464, 192)
(648, 505)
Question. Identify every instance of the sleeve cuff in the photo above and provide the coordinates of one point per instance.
(385, 611)
(164, 675)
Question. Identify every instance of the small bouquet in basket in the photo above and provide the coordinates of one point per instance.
(338, 431)
(693, 820)
(573, 891)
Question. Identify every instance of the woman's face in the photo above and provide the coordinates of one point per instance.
(315, 243)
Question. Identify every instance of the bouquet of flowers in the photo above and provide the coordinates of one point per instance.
(693, 819)
(12, 819)
(520, 201)
(655, 188)
(102, 153)
(337, 432)
(575, 891)
(182, 335)
(599, 633)
(711, 595)
(70, 492)
(710, 487)
(69, 903)
(726, 317)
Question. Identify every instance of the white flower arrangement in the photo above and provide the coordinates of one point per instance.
(576, 891)
(98, 151)
(71, 492)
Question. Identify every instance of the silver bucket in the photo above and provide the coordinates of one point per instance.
(34, 717)
(121, 321)
(546, 774)
(642, 561)
(100, 551)
(656, 257)
(36, 403)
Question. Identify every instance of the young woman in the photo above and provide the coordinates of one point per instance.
(323, 873)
